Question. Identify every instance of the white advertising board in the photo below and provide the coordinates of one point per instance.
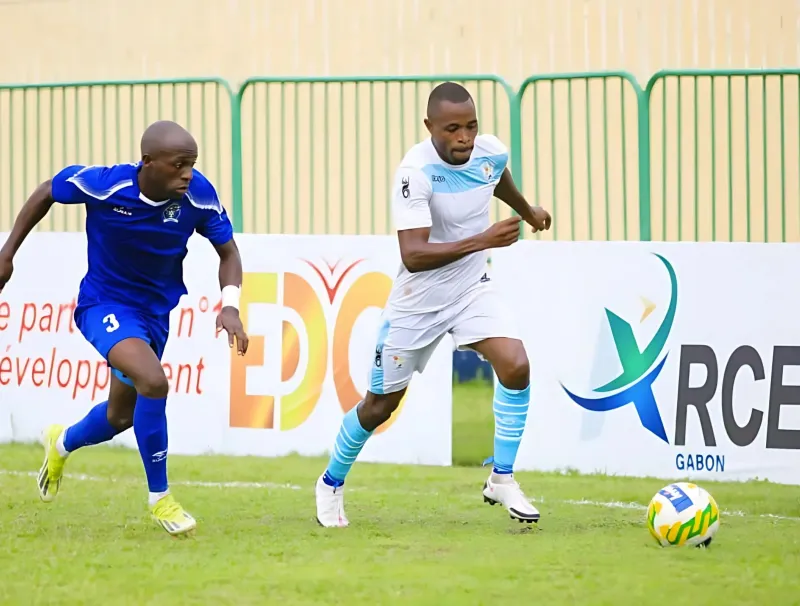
(311, 306)
(659, 359)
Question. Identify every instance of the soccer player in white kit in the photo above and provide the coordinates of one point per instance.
(440, 203)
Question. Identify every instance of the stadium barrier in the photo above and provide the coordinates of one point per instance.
(579, 136)
(724, 155)
(660, 359)
(330, 146)
(311, 305)
(656, 359)
(683, 158)
(44, 127)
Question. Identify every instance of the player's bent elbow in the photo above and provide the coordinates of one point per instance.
(410, 264)
(412, 259)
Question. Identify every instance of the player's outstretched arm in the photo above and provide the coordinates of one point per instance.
(420, 255)
(535, 216)
(230, 281)
(33, 211)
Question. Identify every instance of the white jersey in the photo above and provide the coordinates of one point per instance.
(453, 201)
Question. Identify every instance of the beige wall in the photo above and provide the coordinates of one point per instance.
(48, 40)
(338, 157)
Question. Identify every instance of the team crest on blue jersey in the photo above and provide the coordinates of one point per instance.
(172, 213)
(488, 170)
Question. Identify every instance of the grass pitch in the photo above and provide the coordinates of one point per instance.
(418, 535)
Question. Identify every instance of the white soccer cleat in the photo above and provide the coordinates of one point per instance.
(507, 493)
(330, 505)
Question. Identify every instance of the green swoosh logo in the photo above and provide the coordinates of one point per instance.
(634, 362)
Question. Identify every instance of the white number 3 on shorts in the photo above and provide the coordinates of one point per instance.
(111, 321)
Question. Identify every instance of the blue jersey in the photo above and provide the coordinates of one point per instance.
(136, 246)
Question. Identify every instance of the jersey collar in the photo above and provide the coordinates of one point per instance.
(142, 197)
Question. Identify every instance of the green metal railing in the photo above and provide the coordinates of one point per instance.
(323, 151)
(694, 155)
(578, 142)
(48, 126)
(725, 149)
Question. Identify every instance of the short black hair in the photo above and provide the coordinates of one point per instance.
(447, 91)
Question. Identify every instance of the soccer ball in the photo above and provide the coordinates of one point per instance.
(683, 514)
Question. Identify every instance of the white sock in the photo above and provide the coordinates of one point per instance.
(155, 497)
(60, 444)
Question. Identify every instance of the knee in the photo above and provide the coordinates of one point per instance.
(515, 373)
(153, 385)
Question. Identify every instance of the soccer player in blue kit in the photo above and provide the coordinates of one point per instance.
(139, 218)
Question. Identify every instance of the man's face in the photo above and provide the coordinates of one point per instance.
(453, 128)
(171, 171)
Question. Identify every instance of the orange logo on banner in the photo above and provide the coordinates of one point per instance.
(258, 411)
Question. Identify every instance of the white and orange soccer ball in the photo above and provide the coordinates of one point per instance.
(683, 514)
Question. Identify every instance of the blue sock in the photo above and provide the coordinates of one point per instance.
(92, 429)
(150, 427)
(349, 442)
(510, 413)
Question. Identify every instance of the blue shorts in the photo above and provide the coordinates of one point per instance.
(105, 325)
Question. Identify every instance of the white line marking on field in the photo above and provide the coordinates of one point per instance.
(272, 485)
(85, 478)
(639, 506)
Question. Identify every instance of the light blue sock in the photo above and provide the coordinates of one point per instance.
(510, 413)
(93, 429)
(349, 442)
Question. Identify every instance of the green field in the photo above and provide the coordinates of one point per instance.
(418, 535)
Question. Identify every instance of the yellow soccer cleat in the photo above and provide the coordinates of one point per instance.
(172, 517)
(52, 470)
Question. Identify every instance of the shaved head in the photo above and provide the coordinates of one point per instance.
(169, 153)
(452, 122)
(166, 136)
(449, 92)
